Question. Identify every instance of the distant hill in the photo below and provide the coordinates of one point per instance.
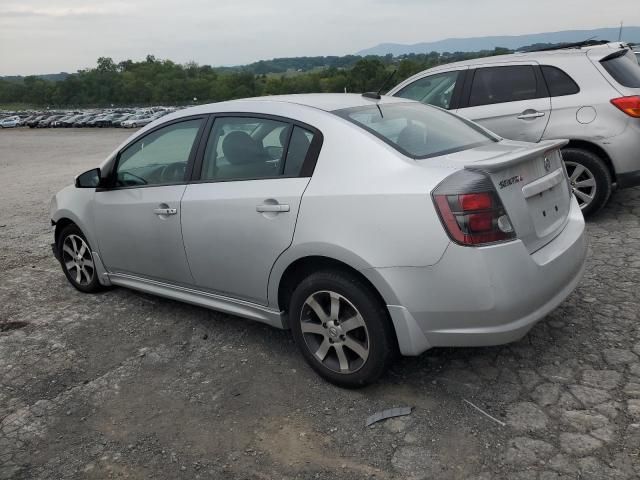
(54, 77)
(474, 44)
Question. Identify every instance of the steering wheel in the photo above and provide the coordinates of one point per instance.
(173, 172)
(136, 180)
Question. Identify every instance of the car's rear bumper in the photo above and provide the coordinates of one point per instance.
(623, 150)
(485, 296)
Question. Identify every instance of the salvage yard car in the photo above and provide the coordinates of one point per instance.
(367, 225)
(588, 95)
(10, 122)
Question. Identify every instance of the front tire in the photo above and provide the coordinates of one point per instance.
(77, 261)
(589, 178)
(341, 328)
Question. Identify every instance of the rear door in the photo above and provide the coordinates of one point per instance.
(509, 99)
(240, 213)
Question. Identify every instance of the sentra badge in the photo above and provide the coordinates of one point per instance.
(510, 181)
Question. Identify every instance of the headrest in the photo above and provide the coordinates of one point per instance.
(238, 148)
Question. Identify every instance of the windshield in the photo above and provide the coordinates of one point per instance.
(416, 130)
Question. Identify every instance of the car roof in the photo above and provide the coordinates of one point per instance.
(323, 101)
(596, 52)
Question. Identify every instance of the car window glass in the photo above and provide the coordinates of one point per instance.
(158, 158)
(503, 84)
(417, 130)
(624, 70)
(297, 152)
(559, 82)
(434, 90)
(241, 148)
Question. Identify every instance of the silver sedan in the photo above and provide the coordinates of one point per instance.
(368, 226)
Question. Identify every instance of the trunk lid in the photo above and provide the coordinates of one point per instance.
(531, 182)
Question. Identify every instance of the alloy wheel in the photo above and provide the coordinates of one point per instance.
(334, 332)
(583, 183)
(77, 259)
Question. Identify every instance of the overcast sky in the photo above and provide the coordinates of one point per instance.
(48, 36)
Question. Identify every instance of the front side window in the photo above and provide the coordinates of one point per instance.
(433, 90)
(503, 84)
(244, 148)
(158, 158)
(417, 130)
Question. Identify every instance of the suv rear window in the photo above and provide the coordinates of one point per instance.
(623, 68)
(416, 130)
(503, 84)
(559, 82)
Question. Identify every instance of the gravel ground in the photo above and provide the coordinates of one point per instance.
(126, 385)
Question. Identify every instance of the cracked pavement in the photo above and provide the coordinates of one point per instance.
(127, 385)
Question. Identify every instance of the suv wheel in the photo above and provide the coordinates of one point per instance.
(76, 260)
(589, 177)
(341, 328)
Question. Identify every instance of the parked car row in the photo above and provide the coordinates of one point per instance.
(78, 119)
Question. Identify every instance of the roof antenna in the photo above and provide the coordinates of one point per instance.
(376, 95)
(620, 32)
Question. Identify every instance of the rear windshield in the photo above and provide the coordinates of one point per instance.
(416, 130)
(624, 69)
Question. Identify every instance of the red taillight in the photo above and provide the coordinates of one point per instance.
(475, 201)
(471, 211)
(480, 222)
(629, 105)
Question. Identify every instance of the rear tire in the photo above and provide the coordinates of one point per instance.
(77, 260)
(348, 338)
(590, 179)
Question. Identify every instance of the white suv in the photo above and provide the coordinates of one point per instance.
(589, 95)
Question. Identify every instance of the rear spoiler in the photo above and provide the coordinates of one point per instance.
(619, 53)
(517, 156)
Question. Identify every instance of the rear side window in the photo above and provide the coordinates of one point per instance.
(297, 152)
(558, 82)
(503, 84)
(623, 68)
(417, 131)
(248, 148)
(434, 90)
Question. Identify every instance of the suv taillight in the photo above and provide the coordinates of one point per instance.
(471, 210)
(629, 105)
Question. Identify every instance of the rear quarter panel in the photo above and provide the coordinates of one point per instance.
(367, 206)
(589, 114)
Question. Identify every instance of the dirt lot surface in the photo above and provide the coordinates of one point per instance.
(126, 385)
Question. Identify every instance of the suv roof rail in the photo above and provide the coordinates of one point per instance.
(585, 43)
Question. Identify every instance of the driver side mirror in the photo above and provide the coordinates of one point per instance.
(88, 179)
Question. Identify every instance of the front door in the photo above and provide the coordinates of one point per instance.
(241, 215)
(510, 100)
(138, 218)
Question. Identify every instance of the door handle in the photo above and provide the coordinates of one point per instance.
(278, 207)
(529, 116)
(165, 211)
